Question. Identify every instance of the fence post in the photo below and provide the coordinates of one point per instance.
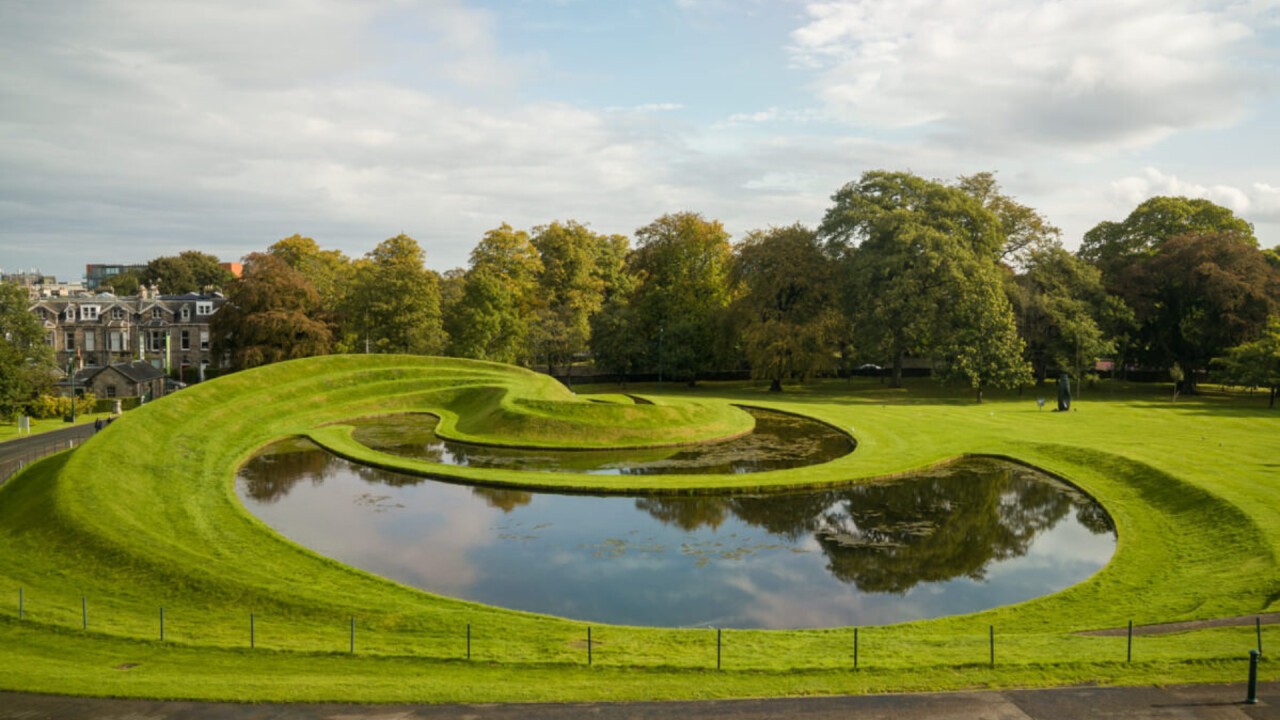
(1129, 653)
(589, 659)
(161, 623)
(855, 649)
(717, 648)
(468, 641)
(993, 645)
(353, 634)
(1252, 698)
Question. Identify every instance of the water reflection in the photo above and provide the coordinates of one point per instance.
(780, 441)
(972, 536)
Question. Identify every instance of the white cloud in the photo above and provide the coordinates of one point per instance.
(1091, 75)
(1260, 201)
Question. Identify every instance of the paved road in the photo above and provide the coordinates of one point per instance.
(25, 448)
(1189, 702)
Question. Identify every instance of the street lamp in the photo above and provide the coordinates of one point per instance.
(71, 373)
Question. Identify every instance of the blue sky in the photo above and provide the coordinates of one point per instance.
(130, 130)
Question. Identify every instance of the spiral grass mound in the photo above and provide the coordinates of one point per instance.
(144, 516)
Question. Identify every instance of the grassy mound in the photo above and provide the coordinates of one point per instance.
(144, 517)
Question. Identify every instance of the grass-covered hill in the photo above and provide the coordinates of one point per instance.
(144, 516)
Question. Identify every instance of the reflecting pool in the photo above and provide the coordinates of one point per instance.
(975, 535)
(779, 441)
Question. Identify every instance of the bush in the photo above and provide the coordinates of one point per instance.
(52, 406)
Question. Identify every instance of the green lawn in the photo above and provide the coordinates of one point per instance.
(145, 516)
(9, 431)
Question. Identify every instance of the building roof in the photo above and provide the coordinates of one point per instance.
(137, 371)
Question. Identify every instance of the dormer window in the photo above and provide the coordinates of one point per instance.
(117, 313)
(157, 314)
(186, 312)
(89, 312)
(204, 308)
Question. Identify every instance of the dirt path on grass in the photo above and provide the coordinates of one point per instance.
(1165, 628)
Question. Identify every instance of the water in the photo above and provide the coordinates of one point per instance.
(780, 441)
(973, 536)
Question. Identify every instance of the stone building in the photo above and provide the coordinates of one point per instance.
(169, 332)
(138, 379)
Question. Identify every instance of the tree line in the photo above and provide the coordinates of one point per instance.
(956, 273)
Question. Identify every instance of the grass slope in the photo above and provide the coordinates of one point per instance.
(144, 516)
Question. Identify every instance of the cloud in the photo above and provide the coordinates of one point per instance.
(1258, 202)
(1080, 76)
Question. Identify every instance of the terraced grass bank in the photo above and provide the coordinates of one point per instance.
(144, 516)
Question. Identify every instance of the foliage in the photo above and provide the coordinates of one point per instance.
(392, 304)
(787, 307)
(913, 250)
(491, 319)
(983, 346)
(1111, 245)
(26, 359)
(190, 271)
(328, 271)
(1198, 295)
(1254, 364)
(269, 316)
(122, 284)
(1060, 304)
(56, 406)
(1025, 231)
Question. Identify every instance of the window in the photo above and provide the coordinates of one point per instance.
(117, 341)
(90, 341)
(204, 308)
(186, 312)
(89, 312)
(71, 340)
(157, 340)
(186, 340)
(69, 314)
(157, 314)
(204, 339)
(117, 313)
(52, 339)
(111, 391)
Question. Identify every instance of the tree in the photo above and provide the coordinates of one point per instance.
(572, 288)
(326, 270)
(123, 284)
(1111, 245)
(910, 248)
(984, 347)
(491, 320)
(393, 302)
(682, 263)
(1060, 304)
(787, 309)
(26, 358)
(269, 316)
(1025, 230)
(187, 272)
(1198, 295)
(1255, 364)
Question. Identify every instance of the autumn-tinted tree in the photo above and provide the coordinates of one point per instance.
(1113, 245)
(187, 272)
(682, 264)
(787, 310)
(499, 298)
(1254, 364)
(26, 358)
(269, 316)
(328, 271)
(1198, 295)
(392, 304)
(911, 249)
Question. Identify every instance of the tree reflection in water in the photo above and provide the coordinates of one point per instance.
(269, 476)
(890, 537)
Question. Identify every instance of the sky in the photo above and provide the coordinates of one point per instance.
(133, 129)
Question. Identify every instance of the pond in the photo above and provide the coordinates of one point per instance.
(972, 536)
(779, 441)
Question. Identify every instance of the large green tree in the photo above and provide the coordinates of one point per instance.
(682, 263)
(1111, 246)
(1198, 295)
(1254, 364)
(271, 314)
(190, 271)
(1061, 305)
(26, 359)
(1025, 230)
(492, 318)
(328, 271)
(787, 311)
(915, 255)
(392, 304)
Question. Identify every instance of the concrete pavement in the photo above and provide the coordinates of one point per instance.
(1186, 702)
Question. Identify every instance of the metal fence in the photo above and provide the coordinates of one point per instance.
(10, 466)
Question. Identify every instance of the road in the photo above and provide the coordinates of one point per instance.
(28, 447)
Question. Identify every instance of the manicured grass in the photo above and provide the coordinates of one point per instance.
(144, 515)
(9, 431)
